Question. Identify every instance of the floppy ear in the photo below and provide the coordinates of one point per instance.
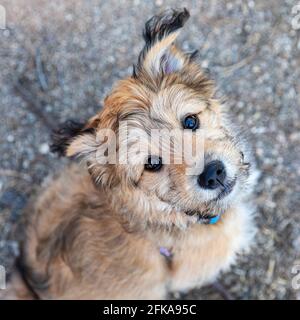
(159, 56)
(77, 139)
(64, 137)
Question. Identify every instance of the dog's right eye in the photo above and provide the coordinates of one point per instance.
(154, 163)
(191, 122)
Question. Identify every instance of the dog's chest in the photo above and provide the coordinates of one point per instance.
(198, 256)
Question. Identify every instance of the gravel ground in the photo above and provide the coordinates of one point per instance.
(60, 58)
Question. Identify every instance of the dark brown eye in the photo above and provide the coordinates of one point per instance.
(191, 122)
(154, 163)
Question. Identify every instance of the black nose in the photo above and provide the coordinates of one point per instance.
(213, 175)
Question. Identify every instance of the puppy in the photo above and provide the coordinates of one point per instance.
(139, 230)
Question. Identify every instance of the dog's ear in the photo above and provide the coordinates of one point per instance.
(66, 134)
(159, 56)
(75, 139)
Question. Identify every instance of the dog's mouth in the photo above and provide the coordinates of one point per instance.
(227, 187)
(206, 217)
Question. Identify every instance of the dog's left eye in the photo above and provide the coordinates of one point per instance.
(191, 122)
(154, 163)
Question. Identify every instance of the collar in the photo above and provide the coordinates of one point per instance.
(205, 218)
(167, 253)
(209, 220)
(214, 220)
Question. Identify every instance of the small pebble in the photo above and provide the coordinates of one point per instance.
(44, 148)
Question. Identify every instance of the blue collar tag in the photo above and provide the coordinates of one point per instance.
(214, 220)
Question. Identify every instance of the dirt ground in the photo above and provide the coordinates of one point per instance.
(58, 59)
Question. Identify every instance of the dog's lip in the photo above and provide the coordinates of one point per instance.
(228, 187)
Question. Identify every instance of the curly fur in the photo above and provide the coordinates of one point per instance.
(96, 229)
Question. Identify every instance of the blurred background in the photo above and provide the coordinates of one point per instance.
(58, 60)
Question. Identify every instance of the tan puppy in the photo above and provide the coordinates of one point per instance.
(139, 231)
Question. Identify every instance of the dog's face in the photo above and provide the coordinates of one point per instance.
(167, 91)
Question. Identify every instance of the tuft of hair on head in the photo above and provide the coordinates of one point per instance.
(162, 25)
(160, 32)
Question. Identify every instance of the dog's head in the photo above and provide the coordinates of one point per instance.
(167, 91)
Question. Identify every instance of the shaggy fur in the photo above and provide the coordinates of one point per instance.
(96, 230)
